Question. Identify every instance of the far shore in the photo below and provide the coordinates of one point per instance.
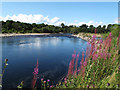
(84, 36)
(21, 34)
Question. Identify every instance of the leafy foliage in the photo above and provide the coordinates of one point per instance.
(19, 27)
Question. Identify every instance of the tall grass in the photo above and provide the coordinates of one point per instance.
(99, 69)
(3, 71)
(35, 73)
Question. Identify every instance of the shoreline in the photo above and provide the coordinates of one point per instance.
(83, 36)
(86, 36)
(20, 34)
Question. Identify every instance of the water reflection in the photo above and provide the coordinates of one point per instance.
(53, 53)
(54, 41)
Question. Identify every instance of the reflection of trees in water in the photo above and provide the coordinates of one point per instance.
(16, 40)
(55, 73)
(6, 41)
(62, 39)
(75, 40)
(54, 41)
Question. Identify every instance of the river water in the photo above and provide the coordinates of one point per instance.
(53, 53)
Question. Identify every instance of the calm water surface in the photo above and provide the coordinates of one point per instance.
(53, 54)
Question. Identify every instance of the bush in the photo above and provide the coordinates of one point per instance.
(115, 29)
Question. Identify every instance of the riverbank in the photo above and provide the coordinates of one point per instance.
(20, 34)
(84, 36)
(92, 72)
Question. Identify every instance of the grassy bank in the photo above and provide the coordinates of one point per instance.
(100, 68)
(90, 34)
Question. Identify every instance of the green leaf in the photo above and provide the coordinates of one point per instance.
(0, 74)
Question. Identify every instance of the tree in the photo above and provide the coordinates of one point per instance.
(108, 27)
(11, 26)
(115, 29)
(99, 29)
(35, 30)
(84, 28)
(62, 24)
(104, 29)
(91, 29)
(74, 30)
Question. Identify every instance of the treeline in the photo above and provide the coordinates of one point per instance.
(11, 26)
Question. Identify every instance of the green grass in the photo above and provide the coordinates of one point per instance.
(102, 73)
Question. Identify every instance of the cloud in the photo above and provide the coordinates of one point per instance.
(75, 21)
(116, 20)
(1, 18)
(87, 23)
(39, 18)
(54, 20)
(31, 18)
(59, 23)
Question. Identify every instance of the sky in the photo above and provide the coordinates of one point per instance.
(55, 13)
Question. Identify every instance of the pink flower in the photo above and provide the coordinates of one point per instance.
(82, 67)
(48, 80)
(92, 45)
(95, 30)
(95, 57)
(84, 63)
(87, 86)
(42, 79)
(71, 65)
(118, 39)
(105, 56)
(114, 59)
(78, 70)
(109, 55)
(73, 55)
(101, 55)
(110, 34)
(101, 41)
(35, 70)
(82, 57)
(76, 64)
(94, 37)
(51, 86)
(87, 52)
(88, 43)
(65, 79)
(35, 75)
(78, 55)
(80, 63)
(65, 82)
